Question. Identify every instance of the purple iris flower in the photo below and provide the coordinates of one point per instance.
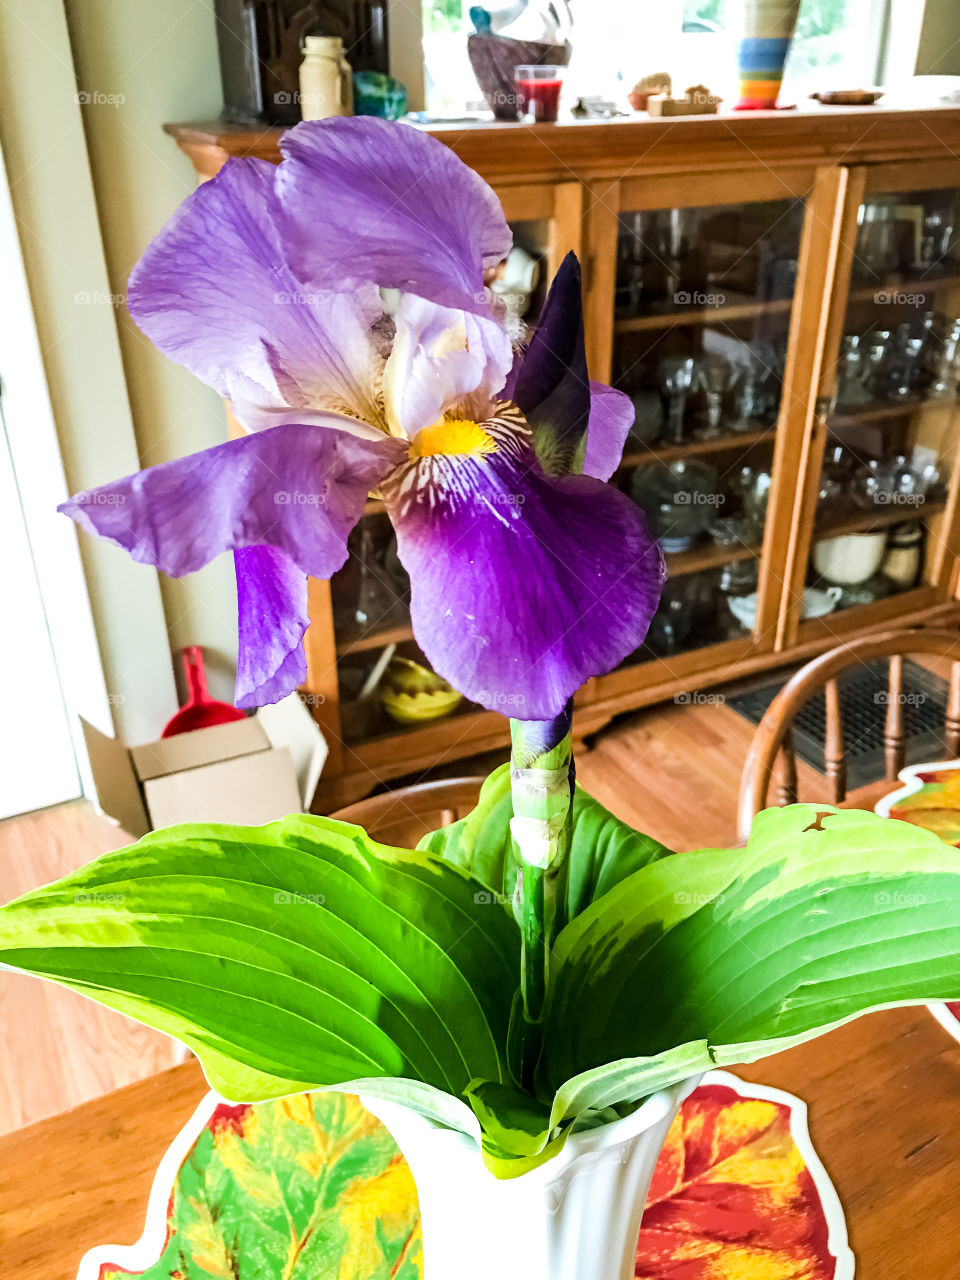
(338, 302)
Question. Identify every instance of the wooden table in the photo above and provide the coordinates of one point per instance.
(884, 1099)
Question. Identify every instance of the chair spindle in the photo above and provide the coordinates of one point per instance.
(952, 726)
(835, 760)
(788, 775)
(894, 739)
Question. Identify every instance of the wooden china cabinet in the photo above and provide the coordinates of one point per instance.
(779, 294)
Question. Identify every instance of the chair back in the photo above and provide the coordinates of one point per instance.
(774, 735)
(403, 817)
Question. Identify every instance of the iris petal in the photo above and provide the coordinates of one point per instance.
(299, 489)
(367, 199)
(550, 383)
(523, 585)
(611, 417)
(214, 292)
(440, 356)
(272, 610)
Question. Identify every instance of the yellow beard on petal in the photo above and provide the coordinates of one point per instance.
(453, 436)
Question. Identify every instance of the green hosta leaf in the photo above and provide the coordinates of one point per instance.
(725, 955)
(296, 955)
(516, 1129)
(604, 850)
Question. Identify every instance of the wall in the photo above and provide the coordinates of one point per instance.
(143, 64)
(939, 51)
(42, 137)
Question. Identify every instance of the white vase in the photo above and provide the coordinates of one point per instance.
(576, 1217)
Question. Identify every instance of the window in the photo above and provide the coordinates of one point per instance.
(615, 42)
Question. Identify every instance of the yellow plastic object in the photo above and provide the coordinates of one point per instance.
(411, 693)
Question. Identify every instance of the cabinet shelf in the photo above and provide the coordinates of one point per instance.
(701, 315)
(935, 284)
(670, 452)
(375, 639)
(887, 412)
(707, 556)
(856, 520)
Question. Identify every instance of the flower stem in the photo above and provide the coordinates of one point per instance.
(542, 781)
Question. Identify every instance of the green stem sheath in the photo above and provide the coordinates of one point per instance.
(542, 781)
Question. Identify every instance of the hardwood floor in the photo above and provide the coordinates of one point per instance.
(672, 771)
(57, 1048)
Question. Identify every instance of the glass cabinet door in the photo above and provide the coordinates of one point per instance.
(886, 500)
(703, 316)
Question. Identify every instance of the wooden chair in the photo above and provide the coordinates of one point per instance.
(774, 733)
(402, 817)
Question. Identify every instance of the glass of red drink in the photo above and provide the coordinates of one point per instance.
(538, 92)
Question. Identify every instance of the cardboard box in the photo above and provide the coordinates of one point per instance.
(247, 772)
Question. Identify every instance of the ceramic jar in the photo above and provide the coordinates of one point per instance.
(326, 83)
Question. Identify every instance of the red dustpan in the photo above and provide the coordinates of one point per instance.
(200, 711)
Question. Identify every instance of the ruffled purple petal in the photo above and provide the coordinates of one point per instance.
(367, 199)
(550, 382)
(440, 357)
(272, 611)
(523, 585)
(298, 489)
(214, 292)
(611, 417)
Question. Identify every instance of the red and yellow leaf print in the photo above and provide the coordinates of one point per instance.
(732, 1198)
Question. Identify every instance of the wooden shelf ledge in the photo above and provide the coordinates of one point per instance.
(694, 447)
(708, 556)
(702, 315)
(861, 520)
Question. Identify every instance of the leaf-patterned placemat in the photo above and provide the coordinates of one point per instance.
(314, 1188)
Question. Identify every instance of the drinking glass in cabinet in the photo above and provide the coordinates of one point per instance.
(676, 378)
(717, 378)
(371, 592)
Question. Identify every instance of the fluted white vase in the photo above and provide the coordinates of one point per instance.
(576, 1217)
